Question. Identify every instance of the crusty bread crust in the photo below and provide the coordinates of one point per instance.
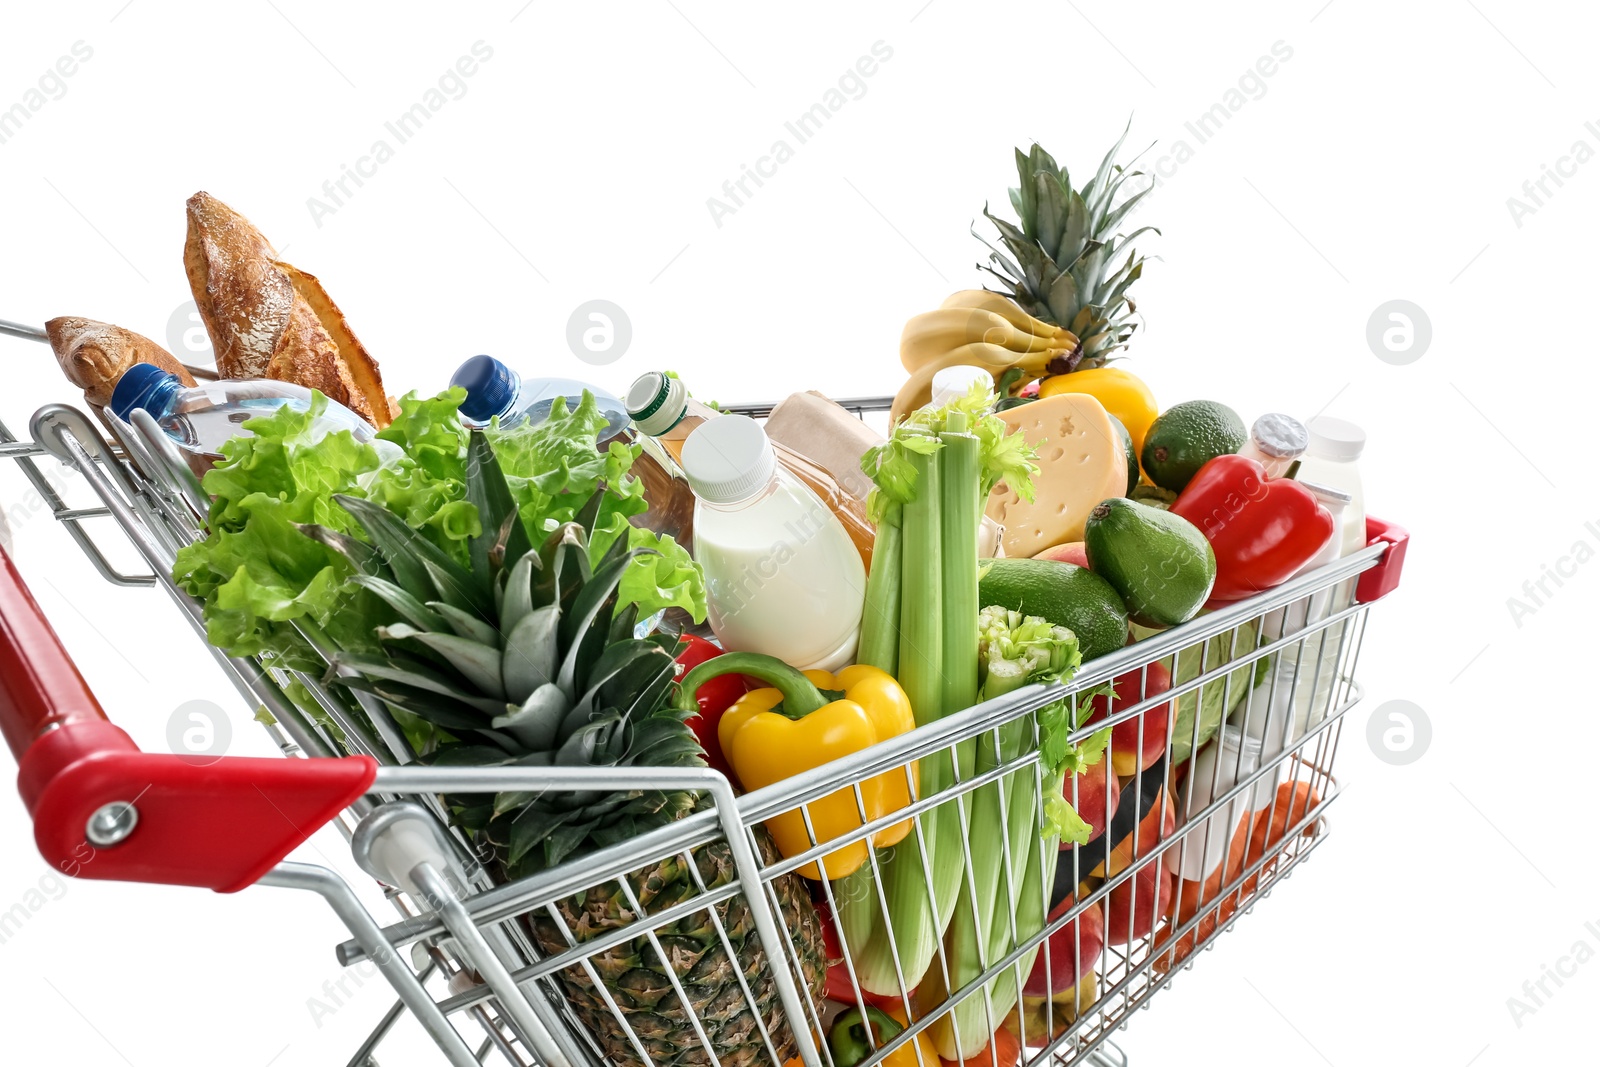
(268, 319)
(93, 355)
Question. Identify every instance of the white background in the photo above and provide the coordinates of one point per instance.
(1374, 164)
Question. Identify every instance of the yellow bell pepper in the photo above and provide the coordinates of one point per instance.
(804, 721)
(1122, 394)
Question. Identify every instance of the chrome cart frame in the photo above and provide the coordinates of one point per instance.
(460, 957)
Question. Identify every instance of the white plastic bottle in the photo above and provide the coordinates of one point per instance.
(782, 576)
(1331, 459)
(1276, 440)
(200, 418)
(1228, 758)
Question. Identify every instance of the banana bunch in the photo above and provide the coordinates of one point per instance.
(974, 328)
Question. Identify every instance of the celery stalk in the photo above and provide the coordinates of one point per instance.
(960, 513)
(922, 594)
(1004, 819)
(880, 617)
(939, 466)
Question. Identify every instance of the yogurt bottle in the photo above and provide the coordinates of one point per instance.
(782, 576)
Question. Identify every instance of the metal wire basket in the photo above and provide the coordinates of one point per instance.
(1227, 727)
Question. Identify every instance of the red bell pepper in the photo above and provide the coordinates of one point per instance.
(1261, 530)
(840, 989)
(715, 697)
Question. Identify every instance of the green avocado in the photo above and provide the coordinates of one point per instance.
(1063, 594)
(1159, 562)
(1127, 448)
(1186, 437)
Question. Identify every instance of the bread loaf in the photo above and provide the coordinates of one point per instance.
(93, 355)
(268, 319)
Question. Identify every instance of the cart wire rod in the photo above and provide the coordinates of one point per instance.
(25, 453)
(247, 676)
(746, 862)
(532, 1018)
(342, 899)
(390, 1017)
(513, 898)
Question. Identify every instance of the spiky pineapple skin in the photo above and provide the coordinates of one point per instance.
(487, 631)
(634, 976)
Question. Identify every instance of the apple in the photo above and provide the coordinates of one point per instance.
(1090, 803)
(1071, 552)
(1130, 753)
(1142, 899)
(1074, 950)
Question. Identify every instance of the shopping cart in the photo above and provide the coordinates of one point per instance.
(1228, 725)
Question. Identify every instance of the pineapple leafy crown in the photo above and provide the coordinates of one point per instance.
(521, 657)
(1062, 261)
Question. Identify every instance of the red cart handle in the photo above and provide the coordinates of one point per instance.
(103, 809)
(1383, 577)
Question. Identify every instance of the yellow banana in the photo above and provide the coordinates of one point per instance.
(933, 333)
(918, 389)
(1006, 308)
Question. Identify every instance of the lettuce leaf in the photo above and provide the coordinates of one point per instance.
(554, 467)
(258, 574)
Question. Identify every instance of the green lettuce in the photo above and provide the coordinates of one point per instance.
(258, 574)
(554, 467)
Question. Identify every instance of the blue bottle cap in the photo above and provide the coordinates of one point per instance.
(490, 386)
(138, 386)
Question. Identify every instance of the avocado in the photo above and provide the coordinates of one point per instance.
(1127, 448)
(1186, 437)
(1160, 562)
(1063, 594)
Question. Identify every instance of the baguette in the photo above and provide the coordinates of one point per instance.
(268, 319)
(93, 355)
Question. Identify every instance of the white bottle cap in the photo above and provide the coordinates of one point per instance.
(1279, 436)
(657, 402)
(952, 383)
(728, 459)
(1336, 439)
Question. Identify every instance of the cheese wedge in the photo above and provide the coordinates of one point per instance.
(1081, 462)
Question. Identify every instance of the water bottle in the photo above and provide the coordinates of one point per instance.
(494, 390)
(200, 418)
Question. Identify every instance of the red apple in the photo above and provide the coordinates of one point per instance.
(1071, 552)
(1090, 803)
(1145, 897)
(1129, 753)
(1074, 950)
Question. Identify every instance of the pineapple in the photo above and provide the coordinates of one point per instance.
(524, 659)
(1062, 266)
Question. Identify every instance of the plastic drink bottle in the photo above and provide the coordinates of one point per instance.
(494, 390)
(662, 408)
(782, 576)
(200, 418)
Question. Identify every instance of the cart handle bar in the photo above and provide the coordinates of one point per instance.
(103, 809)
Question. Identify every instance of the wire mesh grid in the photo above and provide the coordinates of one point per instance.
(1213, 787)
